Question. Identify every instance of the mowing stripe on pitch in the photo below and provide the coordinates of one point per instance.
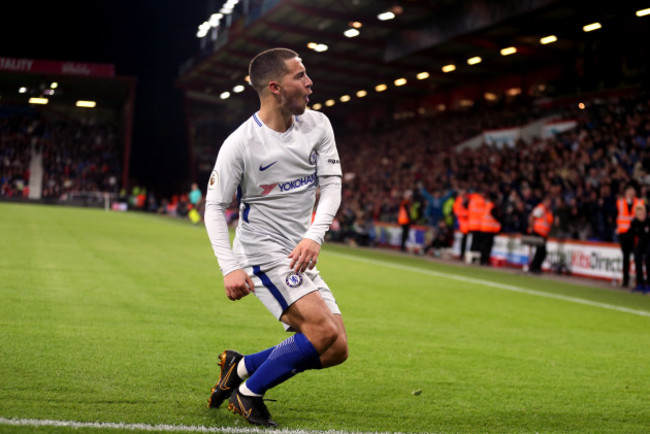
(158, 428)
(502, 286)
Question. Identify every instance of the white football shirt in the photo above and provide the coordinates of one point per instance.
(275, 176)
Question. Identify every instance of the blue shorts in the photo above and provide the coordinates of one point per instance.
(278, 287)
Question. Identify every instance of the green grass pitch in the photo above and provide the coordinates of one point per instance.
(120, 317)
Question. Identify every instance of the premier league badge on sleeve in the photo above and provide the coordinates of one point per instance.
(313, 157)
(214, 180)
(293, 280)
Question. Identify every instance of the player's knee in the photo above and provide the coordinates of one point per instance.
(326, 335)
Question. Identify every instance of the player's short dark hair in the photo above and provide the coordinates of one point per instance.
(269, 65)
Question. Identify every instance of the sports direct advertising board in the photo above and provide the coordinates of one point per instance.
(582, 258)
(599, 260)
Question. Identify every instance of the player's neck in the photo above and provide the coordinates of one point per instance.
(275, 118)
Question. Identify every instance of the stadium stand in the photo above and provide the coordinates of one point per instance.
(15, 157)
(584, 168)
(69, 155)
(65, 131)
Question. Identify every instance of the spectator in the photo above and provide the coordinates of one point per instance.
(640, 229)
(195, 195)
(443, 237)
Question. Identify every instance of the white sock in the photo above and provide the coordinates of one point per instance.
(246, 391)
(242, 372)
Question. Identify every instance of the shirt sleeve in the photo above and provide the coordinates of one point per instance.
(226, 176)
(328, 156)
(328, 205)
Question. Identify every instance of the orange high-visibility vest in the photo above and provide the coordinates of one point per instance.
(625, 215)
(402, 215)
(488, 222)
(542, 225)
(462, 215)
(475, 212)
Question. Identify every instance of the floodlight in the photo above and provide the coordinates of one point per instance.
(86, 104)
(351, 33)
(214, 19)
(548, 39)
(643, 12)
(591, 27)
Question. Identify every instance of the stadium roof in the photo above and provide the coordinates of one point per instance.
(424, 36)
(63, 83)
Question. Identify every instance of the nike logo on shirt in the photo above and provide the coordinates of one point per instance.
(263, 168)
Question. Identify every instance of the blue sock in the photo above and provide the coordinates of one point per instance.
(254, 361)
(289, 357)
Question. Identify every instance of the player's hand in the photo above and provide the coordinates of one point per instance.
(304, 255)
(238, 284)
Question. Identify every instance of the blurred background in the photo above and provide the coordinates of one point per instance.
(125, 105)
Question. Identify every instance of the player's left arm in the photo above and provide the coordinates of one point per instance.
(305, 254)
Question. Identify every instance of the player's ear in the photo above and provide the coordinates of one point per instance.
(274, 87)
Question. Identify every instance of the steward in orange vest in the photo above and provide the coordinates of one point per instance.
(404, 217)
(403, 213)
(461, 212)
(540, 220)
(475, 211)
(475, 214)
(489, 227)
(489, 223)
(625, 213)
(462, 215)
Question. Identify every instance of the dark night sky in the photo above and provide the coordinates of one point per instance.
(146, 39)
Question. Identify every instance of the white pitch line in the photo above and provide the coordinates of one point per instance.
(502, 286)
(158, 428)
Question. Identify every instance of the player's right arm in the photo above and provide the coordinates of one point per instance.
(226, 176)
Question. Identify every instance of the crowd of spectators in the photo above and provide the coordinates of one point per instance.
(15, 155)
(79, 157)
(76, 156)
(583, 170)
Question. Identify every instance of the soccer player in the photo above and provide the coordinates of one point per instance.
(276, 160)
